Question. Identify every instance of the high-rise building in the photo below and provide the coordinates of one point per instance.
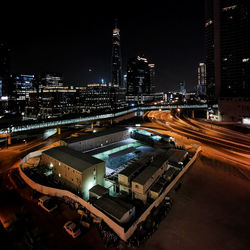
(183, 88)
(5, 89)
(202, 79)
(152, 78)
(138, 76)
(116, 58)
(227, 47)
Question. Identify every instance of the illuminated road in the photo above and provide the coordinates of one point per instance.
(230, 145)
(211, 210)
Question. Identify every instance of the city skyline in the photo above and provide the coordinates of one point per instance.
(80, 46)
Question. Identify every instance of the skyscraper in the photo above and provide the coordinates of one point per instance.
(138, 76)
(152, 77)
(4, 70)
(227, 46)
(183, 88)
(202, 79)
(116, 58)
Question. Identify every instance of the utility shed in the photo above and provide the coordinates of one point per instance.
(114, 207)
(176, 157)
(148, 176)
(80, 171)
(98, 191)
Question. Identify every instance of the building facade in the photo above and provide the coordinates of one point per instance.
(202, 79)
(116, 58)
(77, 170)
(96, 140)
(227, 47)
(141, 81)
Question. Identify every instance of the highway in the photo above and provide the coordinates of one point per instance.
(211, 210)
(216, 140)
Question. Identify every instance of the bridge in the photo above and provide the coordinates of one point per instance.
(58, 123)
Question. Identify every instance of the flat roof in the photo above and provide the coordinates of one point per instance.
(147, 173)
(72, 158)
(99, 190)
(113, 206)
(176, 155)
(158, 185)
(135, 167)
(93, 135)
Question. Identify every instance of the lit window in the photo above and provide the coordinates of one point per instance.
(245, 59)
(229, 8)
(208, 23)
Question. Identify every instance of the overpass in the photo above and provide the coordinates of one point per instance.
(58, 123)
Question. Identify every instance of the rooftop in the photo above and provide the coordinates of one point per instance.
(93, 135)
(113, 206)
(134, 168)
(158, 185)
(99, 190)
(72, 158)
(147, 173)
(176, 155)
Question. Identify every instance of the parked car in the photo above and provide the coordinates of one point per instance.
(47, 203)
(72, 229)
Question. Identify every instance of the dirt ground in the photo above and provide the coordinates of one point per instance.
(210, 211)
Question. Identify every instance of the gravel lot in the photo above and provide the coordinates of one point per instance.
(210, 210)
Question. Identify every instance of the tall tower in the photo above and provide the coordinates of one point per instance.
(227, 45)
(138, 76)
(116, 58)
(202, 79)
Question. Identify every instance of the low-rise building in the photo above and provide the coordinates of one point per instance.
(80, 171)
(126, 176)
(98, 191)
(157, 188)
(95, 140)
(117, 209)
(142, 182)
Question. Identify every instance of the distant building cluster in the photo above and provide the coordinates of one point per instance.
(223, 77)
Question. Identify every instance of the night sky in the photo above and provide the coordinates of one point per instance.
(71, 39)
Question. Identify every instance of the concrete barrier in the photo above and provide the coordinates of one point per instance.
(119, 230)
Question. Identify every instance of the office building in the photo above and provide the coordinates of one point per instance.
(183, 88)
(4, 70)
(138, 76)
(227, 47)
(202, 81)
(152, 77)
(23, 85)
(6, 83)
(116, 58)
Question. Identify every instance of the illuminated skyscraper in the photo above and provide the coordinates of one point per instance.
(152, 77)
(138, 76)
(116, 58)
(202, 79)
